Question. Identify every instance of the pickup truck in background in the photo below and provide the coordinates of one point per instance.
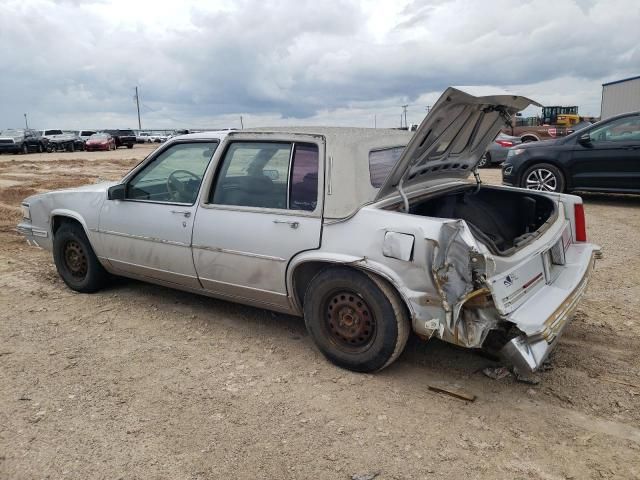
(535, 133)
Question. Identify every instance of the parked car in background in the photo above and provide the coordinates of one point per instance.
(123, 137)
(85, 134)
(160, 137)
(144, 137)
(100, 141)
(603, 157)
(367, 233)
(22, 141)
(497, 151)
(60, 140)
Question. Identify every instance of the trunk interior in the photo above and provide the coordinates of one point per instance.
(501, 219)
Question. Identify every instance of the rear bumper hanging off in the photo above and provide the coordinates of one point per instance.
(528, 353)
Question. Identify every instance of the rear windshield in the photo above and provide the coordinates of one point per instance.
(53, 132)
(381, 162)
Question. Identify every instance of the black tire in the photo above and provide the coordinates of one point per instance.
(357, 321)
(75, 260)
(40, 149)
(25, 149)
(553, 183)
(72, 147)
(485, 160)
(130, 145)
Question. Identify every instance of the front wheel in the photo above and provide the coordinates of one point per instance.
(543, 177)
(25, 149)
(75, 260)
(358, 322)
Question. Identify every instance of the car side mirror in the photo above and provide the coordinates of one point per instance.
(116, 192)
(585, 139)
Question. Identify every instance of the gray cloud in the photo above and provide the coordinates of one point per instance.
(68, 62)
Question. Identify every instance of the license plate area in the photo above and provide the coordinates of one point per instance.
(555, 258)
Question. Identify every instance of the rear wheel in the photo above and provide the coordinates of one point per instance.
(356, 321)
(25, 148)
(75, 260)
(485, 160)
(130, 145)
(543, 177)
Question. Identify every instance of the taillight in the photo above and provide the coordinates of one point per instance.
(581, 224)
(552, 132)
(505, 143)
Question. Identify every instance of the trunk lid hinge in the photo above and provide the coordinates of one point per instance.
(476, 175)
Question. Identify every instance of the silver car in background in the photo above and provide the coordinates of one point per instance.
(498, 149)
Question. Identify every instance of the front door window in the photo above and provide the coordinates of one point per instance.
(174, 176)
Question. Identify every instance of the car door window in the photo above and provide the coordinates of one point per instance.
(304, 177)
(622, 130)
(268, 175)
(174, 176)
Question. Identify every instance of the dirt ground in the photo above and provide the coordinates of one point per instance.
(139, 381)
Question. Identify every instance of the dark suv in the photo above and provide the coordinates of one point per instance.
(123, 137)
(22, 141)
(603, 157)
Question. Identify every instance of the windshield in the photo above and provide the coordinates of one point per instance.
(53, 132)
(12, 133)
(99, 136)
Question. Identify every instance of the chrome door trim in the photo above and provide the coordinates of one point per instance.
(271, 211)
(238, 252)
(142, 237)
(329, 170)
(290, 174)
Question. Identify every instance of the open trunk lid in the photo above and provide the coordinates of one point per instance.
(451, 140)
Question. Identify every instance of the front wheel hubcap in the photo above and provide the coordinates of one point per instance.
(349, 321)
(541, 179)
(75, 259)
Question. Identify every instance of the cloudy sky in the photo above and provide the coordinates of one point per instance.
(74, 63)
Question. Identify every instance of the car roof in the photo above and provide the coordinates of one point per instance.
(347, 174)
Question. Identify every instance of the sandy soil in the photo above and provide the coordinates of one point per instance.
(140, 381)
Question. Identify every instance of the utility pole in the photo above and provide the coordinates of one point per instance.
(375, 120)
(26, 123)
(138, 106)
(404, 111)
(241, 123)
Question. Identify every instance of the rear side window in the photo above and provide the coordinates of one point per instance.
(304, 178)
(268, 175)
(381, 162)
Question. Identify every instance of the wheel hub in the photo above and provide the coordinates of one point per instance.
(75, 259)
(542, 179)
(350, 323)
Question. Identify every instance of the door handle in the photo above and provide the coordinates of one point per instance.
(185, 213)
(291, 223)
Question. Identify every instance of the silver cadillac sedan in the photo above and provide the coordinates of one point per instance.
(368, 234)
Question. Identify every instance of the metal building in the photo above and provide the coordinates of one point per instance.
(621, 96)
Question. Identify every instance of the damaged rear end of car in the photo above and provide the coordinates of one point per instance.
(508, 265)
